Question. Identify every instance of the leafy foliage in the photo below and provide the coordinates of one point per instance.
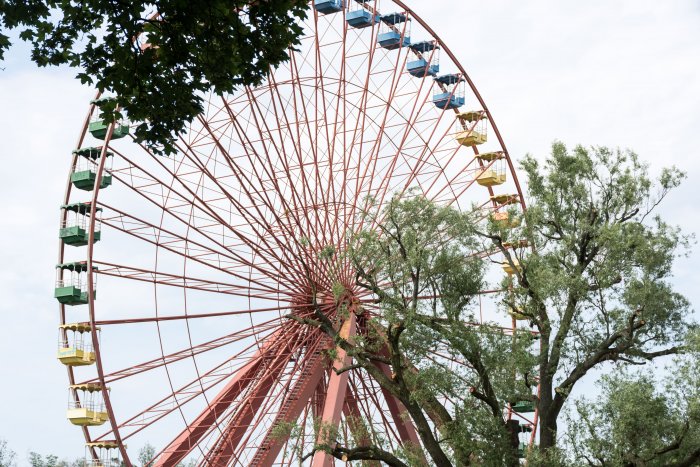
(596, 285)
(641, 419)
(592, 266)
(192, 47)
(146, 455)
(50, 460)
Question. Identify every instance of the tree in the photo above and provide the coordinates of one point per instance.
(593, 281)
(596, 283)
(7, 455)
(641, 419)
(146, 455)
(50, 460)
(158, 57)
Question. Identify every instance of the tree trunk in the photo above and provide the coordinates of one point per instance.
(548, 414)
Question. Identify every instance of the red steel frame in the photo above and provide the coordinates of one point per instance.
(281, 189)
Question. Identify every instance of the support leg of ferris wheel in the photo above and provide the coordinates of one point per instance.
(185, 442)
(292, 406)
(337, 388)
(238, 425)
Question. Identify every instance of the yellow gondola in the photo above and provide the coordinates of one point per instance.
(75, 351)
(88, 410)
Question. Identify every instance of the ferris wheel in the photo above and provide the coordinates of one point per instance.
(202, 255)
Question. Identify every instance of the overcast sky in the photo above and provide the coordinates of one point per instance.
(620, 73)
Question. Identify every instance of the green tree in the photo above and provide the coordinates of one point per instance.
(593, 282)
(146, 455)
(195, 46)
(38, 460)
(50, 460)
(596, 283)
(641, 419)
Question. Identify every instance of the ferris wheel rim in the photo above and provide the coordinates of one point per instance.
(113, 420)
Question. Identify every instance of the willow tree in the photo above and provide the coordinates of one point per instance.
(592, 268)
(596, 282)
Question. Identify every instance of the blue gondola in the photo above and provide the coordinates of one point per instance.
(361, 18)
(392, 40)
(421, 68)
(328, 6)
(452, 98)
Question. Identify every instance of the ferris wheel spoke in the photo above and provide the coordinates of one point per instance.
(190, 391)
(284, 214)
(210, 218)
(364, 181)
(257, 194)
(255, 220)
(169, 240)
(358, 131)
(299, 201)
(254, 331)
(182, 281)
(301, 109)
(328, 191)
(189, 316)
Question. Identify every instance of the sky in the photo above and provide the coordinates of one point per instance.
(622, 73)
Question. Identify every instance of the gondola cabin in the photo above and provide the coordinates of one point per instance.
(76, 222)
(504, 200)
(103, 454)
(471, 128)
(523, 406)
(71, 283)
(515, 315)
(392, 36)
(427, 63)
(328, 7)
(359, 16)
(84, 171)
(99, 126)
(509, 268)
(75, 344)
(86, 405)
(490, 177)
(505, 220)
(449, 91)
